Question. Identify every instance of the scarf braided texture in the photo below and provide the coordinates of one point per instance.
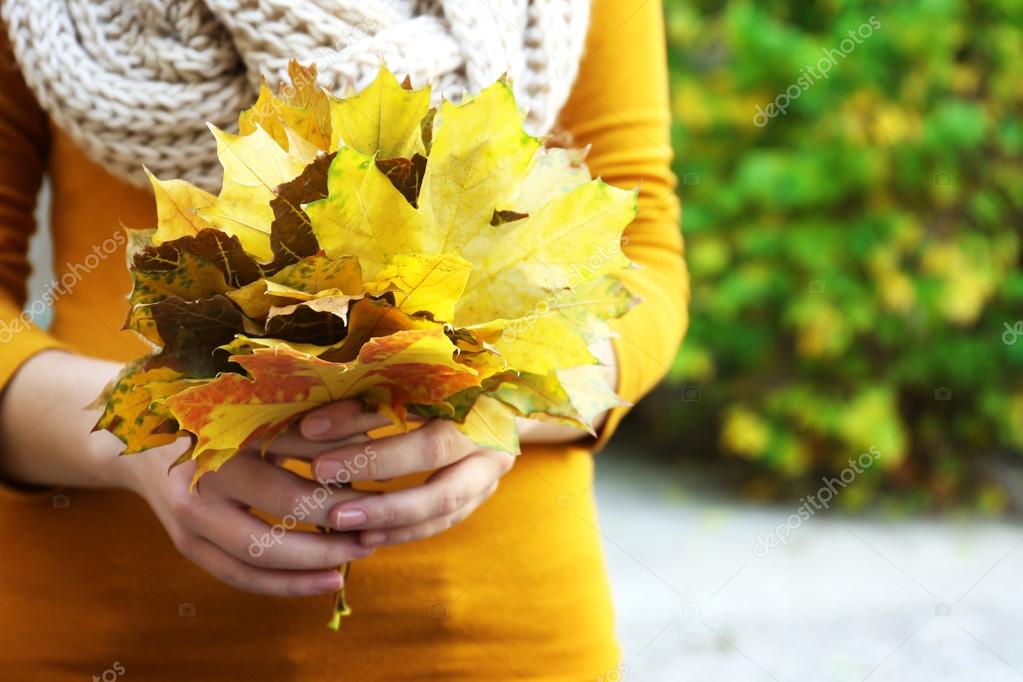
(134, 81)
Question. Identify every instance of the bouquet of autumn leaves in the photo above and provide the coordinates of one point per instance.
(428, 262)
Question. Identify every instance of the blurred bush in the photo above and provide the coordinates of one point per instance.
(854, 248)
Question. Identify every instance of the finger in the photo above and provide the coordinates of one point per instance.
(243, 576)
(261, 485)
(292, 443)
(340, 420)
(435, 445)
(443, 494)
(255, 542)
(425, 529)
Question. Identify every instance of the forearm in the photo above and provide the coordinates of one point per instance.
(45, 432)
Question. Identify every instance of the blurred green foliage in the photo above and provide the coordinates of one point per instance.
(855, 260)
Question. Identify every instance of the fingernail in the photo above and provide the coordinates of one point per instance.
(332, 582)
(350, 518)
(327, 470)
(315, 425)
(373, 537)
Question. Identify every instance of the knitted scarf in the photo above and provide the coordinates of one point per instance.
(134, 81)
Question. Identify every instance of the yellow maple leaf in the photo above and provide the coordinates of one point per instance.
(422, 283)
(177, 208)
(254, 166)
(535, 344)
(491, 424)
(575, 234)
(364, 215)
(478, 160)
(300, 113)
(554, 171)
(384, 119)
(128, 406)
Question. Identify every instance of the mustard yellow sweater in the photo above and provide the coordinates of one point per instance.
(518, 591)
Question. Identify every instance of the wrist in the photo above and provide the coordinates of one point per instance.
(135, 472)
(110, 468)
(45, 434)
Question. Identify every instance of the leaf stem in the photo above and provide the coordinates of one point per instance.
(341, 607)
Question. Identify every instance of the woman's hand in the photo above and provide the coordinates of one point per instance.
(214, 529)
(466, 475)
(54, 446)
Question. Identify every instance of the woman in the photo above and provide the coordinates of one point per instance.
(111, 567)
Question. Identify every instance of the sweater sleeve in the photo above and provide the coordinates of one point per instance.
(24, 144)
(620, 106)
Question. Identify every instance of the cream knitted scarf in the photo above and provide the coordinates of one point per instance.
(133, 81)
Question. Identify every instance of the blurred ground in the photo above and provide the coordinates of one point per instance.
(843, 599)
